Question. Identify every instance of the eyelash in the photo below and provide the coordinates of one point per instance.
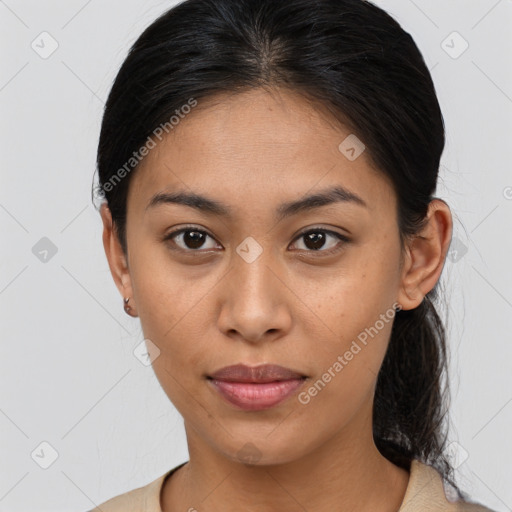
(333, 250)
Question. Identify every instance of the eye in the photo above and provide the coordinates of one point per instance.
(315, 240)
(189, 239)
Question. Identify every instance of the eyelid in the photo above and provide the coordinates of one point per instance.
(343, 239)
(187, 227)
(314, 229)
(176, 232)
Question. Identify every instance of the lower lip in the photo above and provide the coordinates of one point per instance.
(255, 397)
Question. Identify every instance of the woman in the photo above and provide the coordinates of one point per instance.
(268, 170)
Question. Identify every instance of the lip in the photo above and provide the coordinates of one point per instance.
(256, 388)
(255, 374)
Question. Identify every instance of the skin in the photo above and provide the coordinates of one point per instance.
(292, 306)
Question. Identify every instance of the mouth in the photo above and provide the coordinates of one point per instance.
(256, 388)
(255, 374)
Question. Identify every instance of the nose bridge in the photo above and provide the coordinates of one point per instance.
(253, 264)
(255, 303)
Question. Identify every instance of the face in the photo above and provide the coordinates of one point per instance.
(263, 283)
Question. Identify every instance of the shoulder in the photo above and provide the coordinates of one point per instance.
(427, 491)
(141, 499)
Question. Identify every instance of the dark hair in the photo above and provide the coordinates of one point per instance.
(353, 58)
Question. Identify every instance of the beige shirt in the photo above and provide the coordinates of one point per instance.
(425, 492)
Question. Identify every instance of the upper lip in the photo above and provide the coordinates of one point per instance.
(262, 373)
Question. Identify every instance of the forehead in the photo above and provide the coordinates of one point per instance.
(256, 144)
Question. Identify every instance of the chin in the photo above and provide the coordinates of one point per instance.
(265, 451)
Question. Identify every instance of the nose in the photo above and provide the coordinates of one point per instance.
(255, 301)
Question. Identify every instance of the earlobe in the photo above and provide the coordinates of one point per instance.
(409, 297)
(426, 255)
(117, 259)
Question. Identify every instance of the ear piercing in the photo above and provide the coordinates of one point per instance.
(127, 308)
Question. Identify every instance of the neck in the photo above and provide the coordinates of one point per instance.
(346, 473)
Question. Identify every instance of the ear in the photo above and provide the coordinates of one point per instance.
(426, 255)
(116, 258)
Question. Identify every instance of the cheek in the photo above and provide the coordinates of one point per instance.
(352, 298)
(166, 292)
(172, 315)
(354, 312)
(182, 356)
(347, 369)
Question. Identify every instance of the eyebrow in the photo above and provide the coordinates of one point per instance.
(336, 194)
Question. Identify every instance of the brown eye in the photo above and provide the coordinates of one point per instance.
(189, 239)
(315, 240)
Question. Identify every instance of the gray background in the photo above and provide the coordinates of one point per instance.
(68, 374)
